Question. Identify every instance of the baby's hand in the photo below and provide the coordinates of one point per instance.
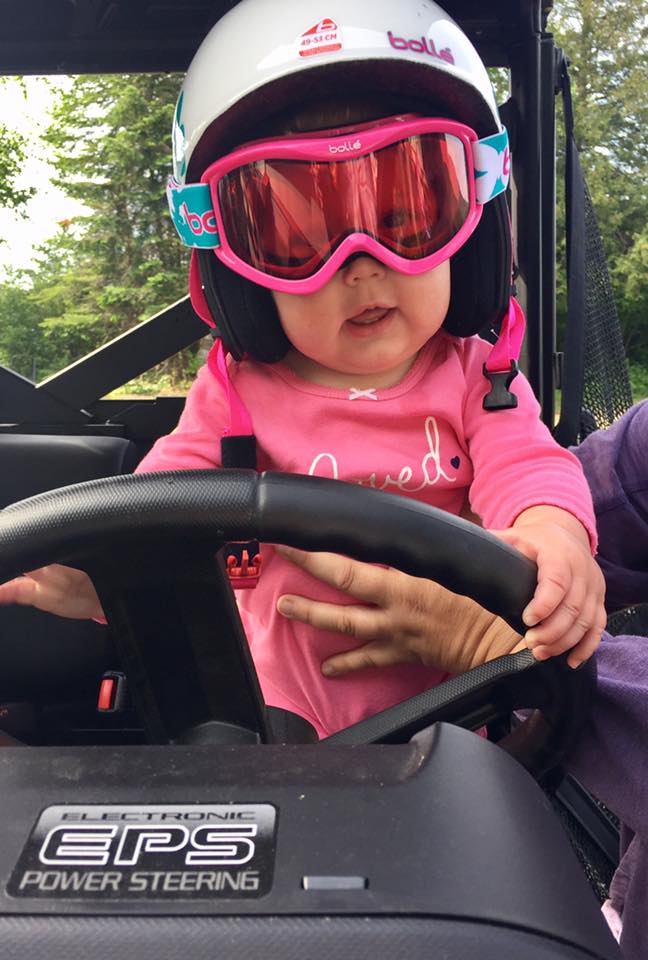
(567, 611)
(55, 589)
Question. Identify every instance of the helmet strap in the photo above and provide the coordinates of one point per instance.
(240, 421)
(239, 452)
(501, 367)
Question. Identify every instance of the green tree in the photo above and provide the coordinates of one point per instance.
(22, 345)
(634, 294)
(121, 262)
(606, 42)
(12, 159)
(13, 151)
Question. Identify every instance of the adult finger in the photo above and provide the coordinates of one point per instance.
(374, 654)
(363, 623)
(364, 581)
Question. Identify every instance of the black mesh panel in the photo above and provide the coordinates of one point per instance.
(606, 383)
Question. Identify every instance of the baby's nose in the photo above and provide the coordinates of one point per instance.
(361, 266)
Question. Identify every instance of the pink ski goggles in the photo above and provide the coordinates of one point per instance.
(287, 213)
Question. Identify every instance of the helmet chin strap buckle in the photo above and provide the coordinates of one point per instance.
(501, 367)
(499, 397)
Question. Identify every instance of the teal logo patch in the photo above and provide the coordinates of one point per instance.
(492, 165)
(193, 214)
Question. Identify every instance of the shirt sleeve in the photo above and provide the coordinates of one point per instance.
(517, 463)
(615, 462)
(195, 442)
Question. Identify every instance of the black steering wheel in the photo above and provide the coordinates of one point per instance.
(149, 542)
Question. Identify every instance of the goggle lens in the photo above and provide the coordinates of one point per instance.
(286, 218)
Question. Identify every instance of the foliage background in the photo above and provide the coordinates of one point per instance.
(110, 143)
(607, 43)
(105, 271)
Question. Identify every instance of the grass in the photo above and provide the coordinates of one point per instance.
(143, 389)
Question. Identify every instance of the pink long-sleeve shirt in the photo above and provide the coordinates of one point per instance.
(428, 438)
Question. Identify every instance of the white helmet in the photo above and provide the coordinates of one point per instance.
(261, 57)
(265, 58)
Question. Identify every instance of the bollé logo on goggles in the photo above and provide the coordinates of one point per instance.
(421, 45)
(199, 223)
(344, 147)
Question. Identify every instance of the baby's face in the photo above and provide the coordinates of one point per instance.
(364, 327)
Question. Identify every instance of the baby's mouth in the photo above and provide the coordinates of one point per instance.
(366, 317)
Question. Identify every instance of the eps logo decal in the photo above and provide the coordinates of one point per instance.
(172, 851)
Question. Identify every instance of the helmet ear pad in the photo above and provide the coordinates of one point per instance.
(480, 274)
(244, 312)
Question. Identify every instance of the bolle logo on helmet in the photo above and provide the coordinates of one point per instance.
(345, 147)
(422, 45)
(199, 223)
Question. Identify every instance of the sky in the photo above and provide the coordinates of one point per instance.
(26, 109)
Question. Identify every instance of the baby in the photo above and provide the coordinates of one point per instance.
(350, 251)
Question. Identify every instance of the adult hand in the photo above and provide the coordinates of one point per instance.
(55, 589)
(399, 619)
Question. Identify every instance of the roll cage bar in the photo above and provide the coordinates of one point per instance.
(95, 36)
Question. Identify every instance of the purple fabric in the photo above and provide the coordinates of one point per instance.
(616, 465)
(611, 758)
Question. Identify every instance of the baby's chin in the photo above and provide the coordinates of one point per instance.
(381, 378)
(359, 372)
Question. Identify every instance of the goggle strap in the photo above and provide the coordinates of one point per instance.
(192, 211)
(240, 421)
(492, 162)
